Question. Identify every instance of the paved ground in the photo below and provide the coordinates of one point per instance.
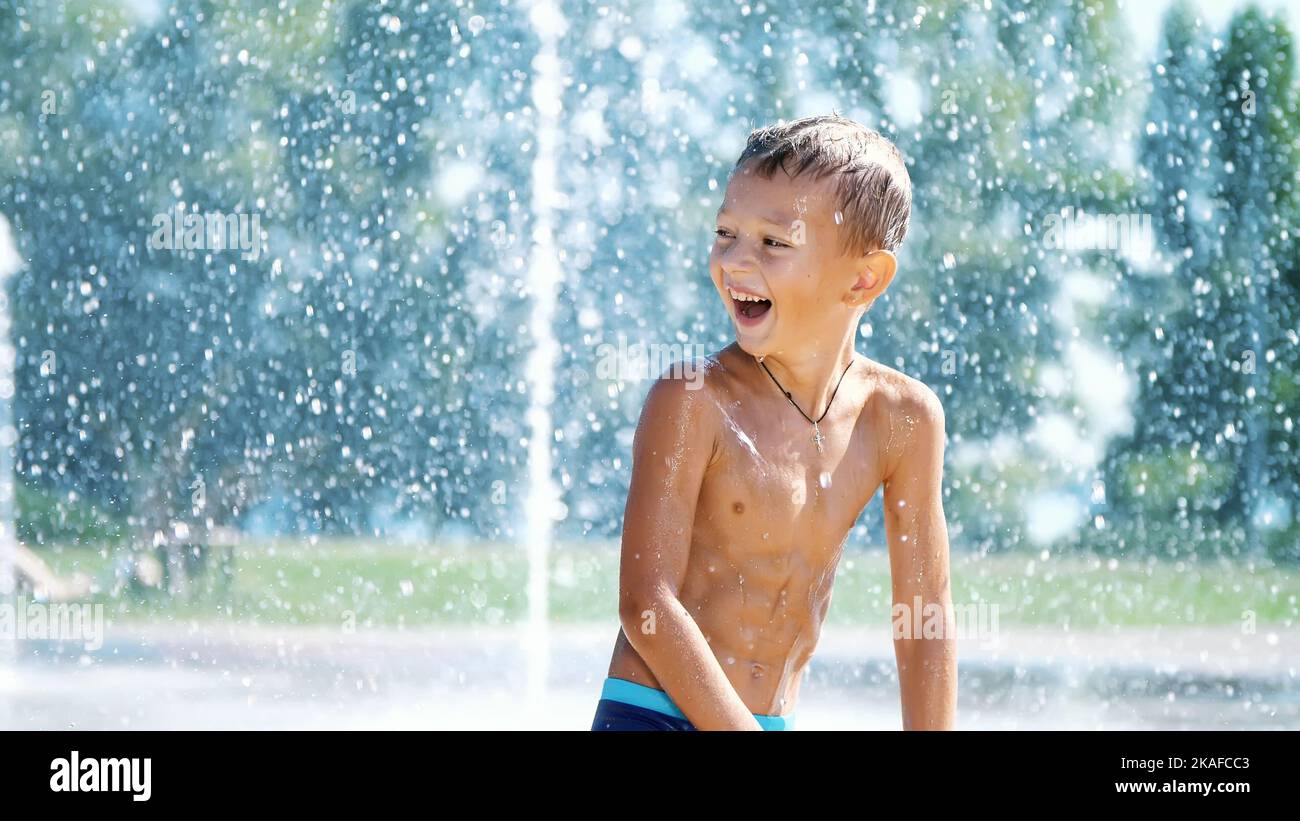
(218, 677)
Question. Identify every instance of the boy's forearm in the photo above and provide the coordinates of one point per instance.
(927, 676)
(673, 646)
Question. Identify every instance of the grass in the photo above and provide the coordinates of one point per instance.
(1085, 591)
(338, 582)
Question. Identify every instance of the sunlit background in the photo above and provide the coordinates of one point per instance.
(363, 464)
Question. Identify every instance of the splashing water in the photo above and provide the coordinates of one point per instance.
(742, 436)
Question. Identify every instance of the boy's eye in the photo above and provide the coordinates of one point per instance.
(775, 243)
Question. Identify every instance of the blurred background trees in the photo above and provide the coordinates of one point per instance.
(365, 373)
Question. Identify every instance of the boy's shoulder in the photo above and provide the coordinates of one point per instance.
(899, 393)
(685, 389)
(690, 374)
(906, 415)
(680, 414)
(702, 376)
(689, 394)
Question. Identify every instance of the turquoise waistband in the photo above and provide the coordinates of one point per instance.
(629, 692)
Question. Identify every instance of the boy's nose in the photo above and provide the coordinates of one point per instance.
(738, 257)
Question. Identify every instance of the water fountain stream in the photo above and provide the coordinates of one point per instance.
(544, 278)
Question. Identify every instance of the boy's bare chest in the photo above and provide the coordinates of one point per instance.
(770, 478)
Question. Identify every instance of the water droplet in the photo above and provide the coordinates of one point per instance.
(825, 479)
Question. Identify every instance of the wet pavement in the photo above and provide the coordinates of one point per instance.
(238, 677)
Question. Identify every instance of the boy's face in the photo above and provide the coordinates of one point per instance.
(779, 239)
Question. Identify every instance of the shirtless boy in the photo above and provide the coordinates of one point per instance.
(745, 484)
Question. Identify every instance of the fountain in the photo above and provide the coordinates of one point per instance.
(544, 279)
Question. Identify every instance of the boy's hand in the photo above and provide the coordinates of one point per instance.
(918, 558)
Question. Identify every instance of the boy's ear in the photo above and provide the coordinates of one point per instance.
(875, 272)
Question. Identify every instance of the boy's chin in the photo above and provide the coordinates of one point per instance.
(753, 347)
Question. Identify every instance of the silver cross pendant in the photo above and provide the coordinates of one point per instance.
(818, 438)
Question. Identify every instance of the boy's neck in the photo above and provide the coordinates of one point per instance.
(811, 374)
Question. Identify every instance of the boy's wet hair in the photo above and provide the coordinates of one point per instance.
(873, 190)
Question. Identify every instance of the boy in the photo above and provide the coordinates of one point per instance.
(744, 491)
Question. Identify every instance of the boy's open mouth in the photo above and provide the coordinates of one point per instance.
(750, 309)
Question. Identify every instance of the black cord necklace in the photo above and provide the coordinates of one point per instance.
(817, 433)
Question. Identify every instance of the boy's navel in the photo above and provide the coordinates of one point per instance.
(738, 507)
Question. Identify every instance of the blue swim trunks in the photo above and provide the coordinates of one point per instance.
(626, 705)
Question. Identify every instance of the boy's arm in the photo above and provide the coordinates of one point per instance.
(673, 446)
(918, 559)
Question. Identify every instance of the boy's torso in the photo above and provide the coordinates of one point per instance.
(771, 521)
